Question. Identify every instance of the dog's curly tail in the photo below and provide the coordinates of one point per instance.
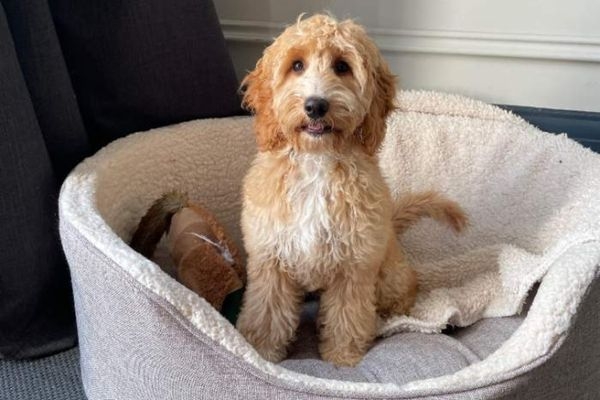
(157, 221)
(414, 206)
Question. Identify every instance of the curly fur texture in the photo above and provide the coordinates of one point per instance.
(317, 214)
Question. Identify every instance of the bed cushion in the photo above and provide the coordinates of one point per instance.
(404, 357)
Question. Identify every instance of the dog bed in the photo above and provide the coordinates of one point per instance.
(533, 202)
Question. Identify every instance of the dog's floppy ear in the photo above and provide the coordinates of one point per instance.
(257, 97)
(372, 130)
(255, 89)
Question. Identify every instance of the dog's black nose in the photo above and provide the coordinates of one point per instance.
(316, 107)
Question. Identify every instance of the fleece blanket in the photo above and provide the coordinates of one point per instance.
(530, 197)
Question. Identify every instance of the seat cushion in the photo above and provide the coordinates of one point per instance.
(403, 357)
(36, 311)
(137, 65)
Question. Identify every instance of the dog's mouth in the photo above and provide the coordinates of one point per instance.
(316, 128)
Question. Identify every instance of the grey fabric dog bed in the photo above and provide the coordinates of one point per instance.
(533, 201)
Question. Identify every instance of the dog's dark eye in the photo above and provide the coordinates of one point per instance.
(298, 66)
(341, 67)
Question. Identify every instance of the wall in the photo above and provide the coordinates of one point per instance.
(533, 53)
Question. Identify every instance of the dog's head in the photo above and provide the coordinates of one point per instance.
(322, 85)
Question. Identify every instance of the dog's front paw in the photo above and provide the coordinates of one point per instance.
(342, 356)
(271, 353)
(262, 343)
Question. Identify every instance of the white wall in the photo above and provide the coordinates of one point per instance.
(543, 53)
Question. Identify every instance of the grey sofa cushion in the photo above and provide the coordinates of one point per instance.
(134, 65)
(48, 83)
(141, 64)
(36, 312)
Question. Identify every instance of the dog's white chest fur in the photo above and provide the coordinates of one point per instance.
(311, 229)
(330, 211)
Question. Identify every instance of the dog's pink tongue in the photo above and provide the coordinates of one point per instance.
(315, 127)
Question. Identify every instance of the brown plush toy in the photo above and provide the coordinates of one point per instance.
(206, 260)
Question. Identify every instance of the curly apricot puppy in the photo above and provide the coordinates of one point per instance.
(317, 214)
